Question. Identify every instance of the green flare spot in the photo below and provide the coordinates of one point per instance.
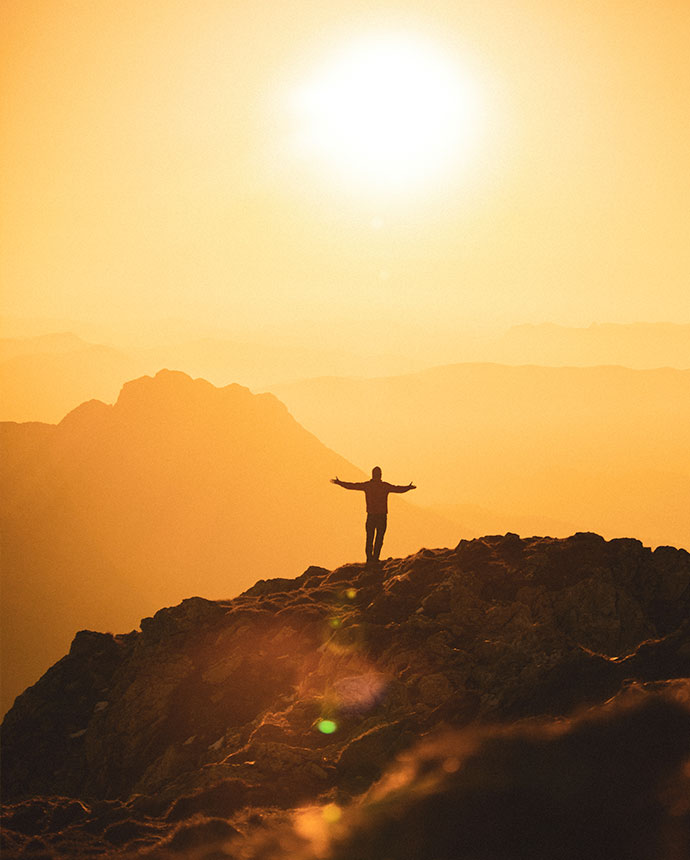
(334, 622)
(351, 593)
(331, 813)
(326, 727)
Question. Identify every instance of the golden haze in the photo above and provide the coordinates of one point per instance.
(148, 169)
(149, 175)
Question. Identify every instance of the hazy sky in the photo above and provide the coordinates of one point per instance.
(158, 160)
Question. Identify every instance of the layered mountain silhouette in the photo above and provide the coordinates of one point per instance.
(597, 448)
(178, 488)
(508, 698)
(41, 378)
(56, 343)
(636, 345)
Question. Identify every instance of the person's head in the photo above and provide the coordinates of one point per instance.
(376, 473)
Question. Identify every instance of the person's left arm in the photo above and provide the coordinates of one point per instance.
(396, 488)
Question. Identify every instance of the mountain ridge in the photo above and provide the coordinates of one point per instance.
(43, 376)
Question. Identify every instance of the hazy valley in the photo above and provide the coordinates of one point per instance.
(602, 448)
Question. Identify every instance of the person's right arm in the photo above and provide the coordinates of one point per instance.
(348, 485)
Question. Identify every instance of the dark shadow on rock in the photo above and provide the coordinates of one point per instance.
(604, 787)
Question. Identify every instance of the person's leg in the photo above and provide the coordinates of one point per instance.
(380, 532)
(371, 526)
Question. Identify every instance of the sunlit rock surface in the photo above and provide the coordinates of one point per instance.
(424, 706)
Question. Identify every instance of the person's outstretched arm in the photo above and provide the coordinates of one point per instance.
(395, 488)
(348, 485)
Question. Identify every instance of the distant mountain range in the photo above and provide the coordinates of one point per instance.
(637, 345)
(42, 378)
(179, 488)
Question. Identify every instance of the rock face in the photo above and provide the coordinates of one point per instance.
(305, 691)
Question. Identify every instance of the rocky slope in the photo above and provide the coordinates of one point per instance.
(178, 488)
(204, 731)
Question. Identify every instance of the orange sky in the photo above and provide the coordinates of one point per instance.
(147, 168)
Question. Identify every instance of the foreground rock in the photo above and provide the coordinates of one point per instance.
(220, 715)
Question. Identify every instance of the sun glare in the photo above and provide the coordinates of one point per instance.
(388, 113)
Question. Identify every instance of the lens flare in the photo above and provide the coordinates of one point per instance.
(331, 813)
(327, 727)
(360, 693)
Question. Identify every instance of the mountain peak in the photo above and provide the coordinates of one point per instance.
(172, 392)
(167, 387)
(86, 413)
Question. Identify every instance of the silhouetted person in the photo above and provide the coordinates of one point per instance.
(376, 492)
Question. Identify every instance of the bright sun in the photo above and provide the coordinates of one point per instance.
(388, 113)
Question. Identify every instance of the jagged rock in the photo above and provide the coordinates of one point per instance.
(363, 759)
(203, 835)
(222, 799)
(307, 689)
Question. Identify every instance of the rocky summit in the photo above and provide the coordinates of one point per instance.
(507, 698)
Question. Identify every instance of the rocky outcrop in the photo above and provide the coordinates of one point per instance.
(306, 690)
